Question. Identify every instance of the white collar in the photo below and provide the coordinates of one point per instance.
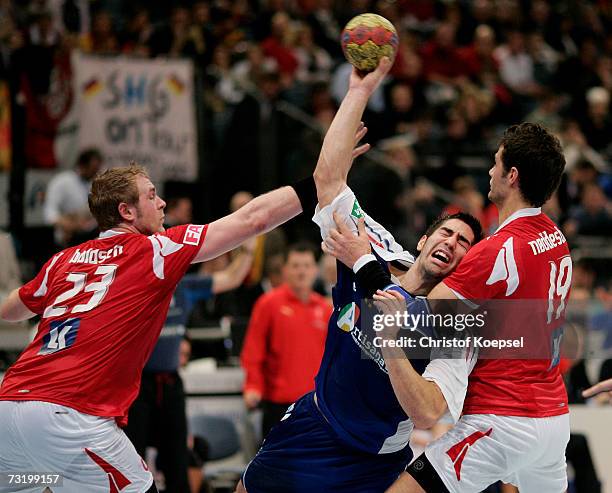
(109, 233)
(527, 212)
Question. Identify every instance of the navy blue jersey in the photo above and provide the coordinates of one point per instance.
(353, 388)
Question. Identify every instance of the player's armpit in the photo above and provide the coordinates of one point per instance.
(260, 215)
(12, 309)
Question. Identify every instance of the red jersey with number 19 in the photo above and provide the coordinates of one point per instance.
(102, 306)
(526, 259)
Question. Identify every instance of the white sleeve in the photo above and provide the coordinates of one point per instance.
(347, 206)
(344, 204)
(451, 376)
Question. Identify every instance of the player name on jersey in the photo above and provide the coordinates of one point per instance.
(95, 255)
(547, 241)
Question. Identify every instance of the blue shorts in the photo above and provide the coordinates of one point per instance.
(303, 454)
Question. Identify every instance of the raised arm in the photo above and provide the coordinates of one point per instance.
(336, 154)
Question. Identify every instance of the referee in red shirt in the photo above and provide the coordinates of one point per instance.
(285, 339)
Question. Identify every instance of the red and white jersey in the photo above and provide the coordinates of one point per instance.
(102, 306)
(527, 258)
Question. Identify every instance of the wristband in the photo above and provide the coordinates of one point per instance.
(372, 277)
(306, 191)
(361, 261)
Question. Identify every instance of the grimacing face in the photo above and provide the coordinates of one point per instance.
(441, 252)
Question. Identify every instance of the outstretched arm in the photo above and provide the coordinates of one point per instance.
(260, 215)
(336, 154)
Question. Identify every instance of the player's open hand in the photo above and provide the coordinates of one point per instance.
(344, 245)
(358, 150)
(368, 82)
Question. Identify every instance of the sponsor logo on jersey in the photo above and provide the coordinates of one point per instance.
(95, 255)
(347, 322)
(193, 233)
(347, 317)
(458, 451)
(357, 211)
(547, 241)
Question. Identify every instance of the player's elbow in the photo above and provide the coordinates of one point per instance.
(428, 414)
(425, 420)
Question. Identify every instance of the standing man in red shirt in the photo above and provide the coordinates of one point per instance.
(285, 339)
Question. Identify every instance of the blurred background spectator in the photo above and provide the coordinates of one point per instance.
(285, 339)
(66, 206)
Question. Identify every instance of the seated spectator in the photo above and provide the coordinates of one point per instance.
(577, 150)
(176, 38)
(478, 57)
(546, 113)
(66, 200)
(516, 69)
(102, 39)
(314, 63)
(135, 39)
(596, 124)
(278, 46)
(403, 109)
(594, 215)
(442, 62)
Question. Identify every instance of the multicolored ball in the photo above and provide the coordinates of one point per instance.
(366, 39)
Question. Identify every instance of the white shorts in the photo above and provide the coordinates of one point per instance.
(89, 453)
(484, 448)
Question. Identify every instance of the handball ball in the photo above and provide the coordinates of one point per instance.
(366, 39)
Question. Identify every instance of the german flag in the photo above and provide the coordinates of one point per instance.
(176, 85)
(92, 87)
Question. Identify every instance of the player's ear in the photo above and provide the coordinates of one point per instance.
(421, 243)
(513, 176)
(127, 211)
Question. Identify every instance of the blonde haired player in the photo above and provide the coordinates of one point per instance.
(102, 305)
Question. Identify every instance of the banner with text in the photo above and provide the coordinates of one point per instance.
(139, 110)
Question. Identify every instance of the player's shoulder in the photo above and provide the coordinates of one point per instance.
(489, 245)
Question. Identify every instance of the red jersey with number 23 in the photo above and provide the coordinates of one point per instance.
(527, 258)
(102, 306)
